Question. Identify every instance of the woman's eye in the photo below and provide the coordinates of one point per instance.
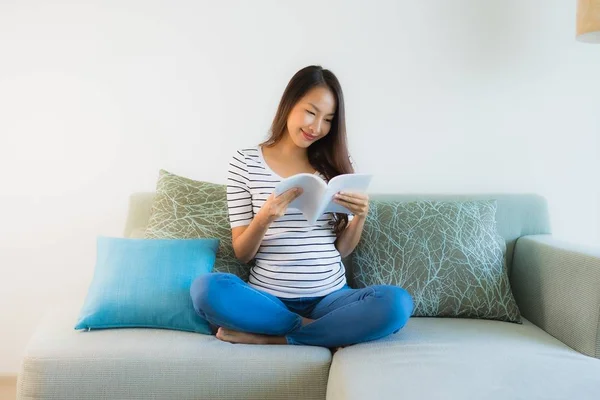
(328, 120)
(310, 112)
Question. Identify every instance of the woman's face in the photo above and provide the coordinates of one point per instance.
(310, 119)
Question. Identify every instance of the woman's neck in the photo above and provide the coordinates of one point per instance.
(287, 149)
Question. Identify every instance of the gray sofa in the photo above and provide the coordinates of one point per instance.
(554, 354)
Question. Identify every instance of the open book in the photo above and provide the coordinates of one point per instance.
(317, 196)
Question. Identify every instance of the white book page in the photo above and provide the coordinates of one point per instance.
(358, 183)
(309, 201)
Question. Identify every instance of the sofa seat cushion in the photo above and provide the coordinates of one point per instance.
(61, 363)
(437, 358)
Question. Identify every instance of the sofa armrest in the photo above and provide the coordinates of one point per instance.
(557, 287)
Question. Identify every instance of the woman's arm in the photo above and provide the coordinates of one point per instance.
(247, 239)
(349, 238)
(359, 205)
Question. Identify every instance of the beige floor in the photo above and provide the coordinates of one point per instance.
(8, 388)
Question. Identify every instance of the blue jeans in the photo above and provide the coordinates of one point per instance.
(346, 316)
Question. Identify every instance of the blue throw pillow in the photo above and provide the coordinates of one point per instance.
(145, 283)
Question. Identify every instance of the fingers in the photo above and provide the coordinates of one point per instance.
(357, 203)
(299, 192)
(290, 195)
(350, 206)
(353, 198)
(355, 195)
(354, 209)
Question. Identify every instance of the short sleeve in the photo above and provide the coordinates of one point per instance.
(239, 199)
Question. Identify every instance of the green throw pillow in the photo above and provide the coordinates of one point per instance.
(185, 209)
(447, 255)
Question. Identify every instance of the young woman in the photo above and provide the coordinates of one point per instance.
(297, 291)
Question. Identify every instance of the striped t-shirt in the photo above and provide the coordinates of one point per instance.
(295, 259)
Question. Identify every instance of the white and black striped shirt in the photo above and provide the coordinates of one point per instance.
(295, 259)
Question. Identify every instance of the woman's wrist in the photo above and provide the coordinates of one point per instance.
(360, 217)
(263, 220)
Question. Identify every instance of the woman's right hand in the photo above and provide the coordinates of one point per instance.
(276, 206)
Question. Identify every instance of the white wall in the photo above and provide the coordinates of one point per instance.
(460, 96)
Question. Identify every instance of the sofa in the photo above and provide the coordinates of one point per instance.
(553, 354)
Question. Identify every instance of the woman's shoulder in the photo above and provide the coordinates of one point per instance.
(246, 152)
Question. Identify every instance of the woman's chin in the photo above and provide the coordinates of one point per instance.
(300, 142)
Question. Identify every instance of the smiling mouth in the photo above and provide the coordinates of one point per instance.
(307, 136)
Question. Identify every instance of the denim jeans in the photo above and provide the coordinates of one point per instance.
(344, 317)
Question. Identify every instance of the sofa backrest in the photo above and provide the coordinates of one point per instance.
(517, 214)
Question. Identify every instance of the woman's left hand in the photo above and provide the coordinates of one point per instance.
(357, 203)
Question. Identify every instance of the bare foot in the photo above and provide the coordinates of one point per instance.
(231, 336)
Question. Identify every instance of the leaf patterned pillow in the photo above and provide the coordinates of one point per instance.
(447, 255)
(184, 209)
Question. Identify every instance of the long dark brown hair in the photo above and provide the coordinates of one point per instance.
(328, 155)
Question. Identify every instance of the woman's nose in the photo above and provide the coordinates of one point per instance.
(315, 128)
